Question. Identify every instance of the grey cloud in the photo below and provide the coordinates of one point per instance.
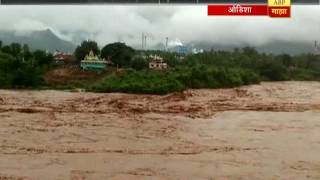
(106, 24)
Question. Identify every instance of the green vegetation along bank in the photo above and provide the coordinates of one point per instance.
(22, 68)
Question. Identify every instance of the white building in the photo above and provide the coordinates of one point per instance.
(156, 62)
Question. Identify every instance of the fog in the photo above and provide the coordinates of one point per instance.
(181, 24)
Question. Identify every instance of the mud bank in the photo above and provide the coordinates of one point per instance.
(267, 131)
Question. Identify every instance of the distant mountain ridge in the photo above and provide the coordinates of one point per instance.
(48, 40)
(44, 40)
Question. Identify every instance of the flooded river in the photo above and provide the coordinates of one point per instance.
(267, 131)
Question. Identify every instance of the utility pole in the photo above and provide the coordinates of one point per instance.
(145, 42)
(142, 42)
(316, 48)
(167, 41)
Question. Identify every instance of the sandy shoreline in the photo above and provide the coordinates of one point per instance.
(267, 131)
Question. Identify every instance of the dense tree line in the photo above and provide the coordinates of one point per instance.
(267, 66)
(211, 69)
(20, 67)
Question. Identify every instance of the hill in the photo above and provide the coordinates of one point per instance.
(44, 40)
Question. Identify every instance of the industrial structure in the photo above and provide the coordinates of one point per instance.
(144, 41)
(316, 48)
(167, 44)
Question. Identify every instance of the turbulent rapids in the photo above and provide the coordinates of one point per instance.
(271, 130)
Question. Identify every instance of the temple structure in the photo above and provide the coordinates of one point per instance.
(93, 62)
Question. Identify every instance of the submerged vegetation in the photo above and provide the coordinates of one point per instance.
(22, 68)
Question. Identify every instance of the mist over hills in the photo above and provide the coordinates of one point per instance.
(275, 47)
(48, 40)
(44, 40)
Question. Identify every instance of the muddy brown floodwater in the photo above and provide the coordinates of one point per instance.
(266, 131)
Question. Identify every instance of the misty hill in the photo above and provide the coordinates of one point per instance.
(278, 47)
(275, 47)
(44, 40)
(47, 40)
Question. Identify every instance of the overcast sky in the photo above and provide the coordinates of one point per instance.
(186, 23)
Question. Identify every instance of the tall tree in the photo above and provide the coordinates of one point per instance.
(139, 63)
(286, 60)
(84, 49)
(15, 49)
(250, 51)
(120, 53)
(26, 53)
(41, 58)
(6, 49)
